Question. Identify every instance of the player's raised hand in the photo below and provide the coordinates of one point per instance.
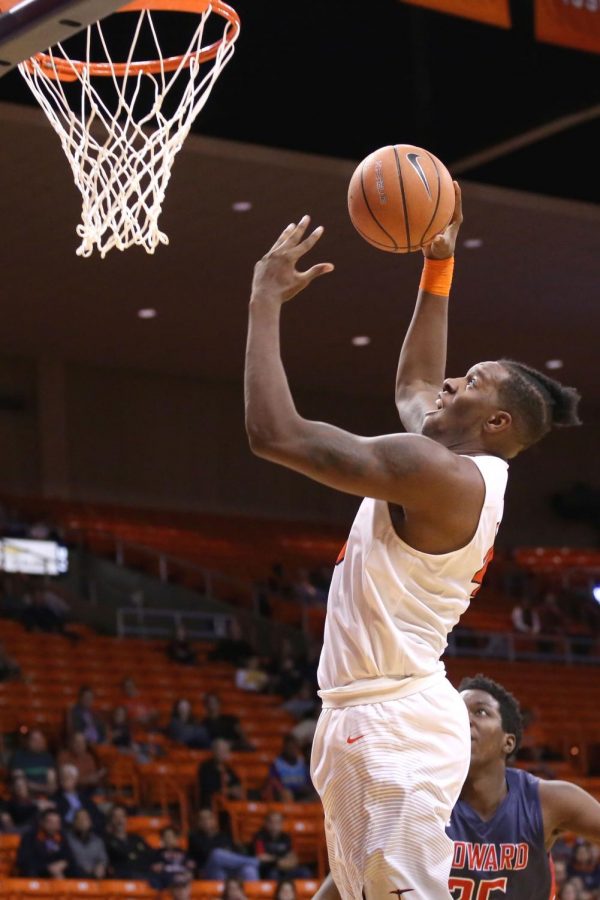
(275, 275)
(442, 246)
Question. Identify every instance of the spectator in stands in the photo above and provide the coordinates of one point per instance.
(119, 731)
(44, 851)
(286, 890)
(78, 754)
(180, 650)
(289, 777)
(234, 648)
(21, 808)
(303, 702)
(215, 854)
(584, 866)
(185, 728)
(181, 888)
(279, 583)
(87, 848)
(140, 711)
(170, 860)
(36, 763)
(524, 618)
(223, 726)
(560, 871)
(273, 848)
(552, 619)
(304, 731)
(252, 676)
(45, 611)
(129, 855)
(571, 890)
(84, 718)
(215, 775)
(306, 592)
(69, 799)
(9, 668)
(233, 889)
(288, 677)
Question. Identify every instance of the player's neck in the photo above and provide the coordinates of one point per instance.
(485, 789)
(467, 446)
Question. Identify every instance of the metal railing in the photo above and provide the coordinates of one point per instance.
(164, 566)
(161, 623)
(571, 649)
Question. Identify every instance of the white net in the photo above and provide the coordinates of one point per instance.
(121, 133)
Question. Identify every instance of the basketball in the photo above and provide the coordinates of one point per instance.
(400, 197)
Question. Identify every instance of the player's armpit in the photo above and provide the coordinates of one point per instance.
(409, 470)
(328, 890)
(566, 807)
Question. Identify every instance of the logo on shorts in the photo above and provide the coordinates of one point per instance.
(354, 740)
(399, 892)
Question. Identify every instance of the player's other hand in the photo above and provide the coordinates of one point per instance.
(276, 277)
(442, 246)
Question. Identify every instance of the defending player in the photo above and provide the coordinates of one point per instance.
(506, 820)
(391, 749)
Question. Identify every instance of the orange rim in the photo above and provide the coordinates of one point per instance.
(69, 70)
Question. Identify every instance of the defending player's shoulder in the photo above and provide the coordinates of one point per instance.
(567, 807)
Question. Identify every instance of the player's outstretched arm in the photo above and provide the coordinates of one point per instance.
(422, 364)
(394, 467)
(567, 807)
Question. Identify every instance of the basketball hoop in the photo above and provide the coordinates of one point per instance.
(119, 135)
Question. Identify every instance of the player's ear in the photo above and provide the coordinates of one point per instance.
(499, 421)
(509, 744)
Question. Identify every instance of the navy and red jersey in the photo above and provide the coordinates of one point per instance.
(504, 858)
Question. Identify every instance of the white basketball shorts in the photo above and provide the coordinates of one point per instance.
(389, 775)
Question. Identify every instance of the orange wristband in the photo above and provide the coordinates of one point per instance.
(437, 276)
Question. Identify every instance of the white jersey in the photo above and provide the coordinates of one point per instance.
(391, 607)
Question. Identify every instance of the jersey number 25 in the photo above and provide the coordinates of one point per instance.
(465, 888)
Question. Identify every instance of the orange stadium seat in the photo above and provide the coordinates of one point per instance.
(118, 890)
(20, 888)
(9, 844)
(207, 890)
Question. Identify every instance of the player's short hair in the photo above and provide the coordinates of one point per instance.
(536, 402)
(510, 710)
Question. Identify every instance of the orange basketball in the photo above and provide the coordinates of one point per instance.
(400, 197)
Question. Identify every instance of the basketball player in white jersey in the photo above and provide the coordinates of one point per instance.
(392, 745)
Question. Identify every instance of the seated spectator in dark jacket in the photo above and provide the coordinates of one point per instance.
(129, 855)
(119, 731)
(215, 776)
(87, 848)
(273, 848)
(44, 851)
(222, 726)
(85, 719)
(69, 799)
(78, 754)
(234, 648)
(215, 854)
(170, 861)
(185, 728)
(289, 776)
(9, 668)
(140, 711)
(22, 808)
(180, 650)
(233, 889)
(36, 763)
